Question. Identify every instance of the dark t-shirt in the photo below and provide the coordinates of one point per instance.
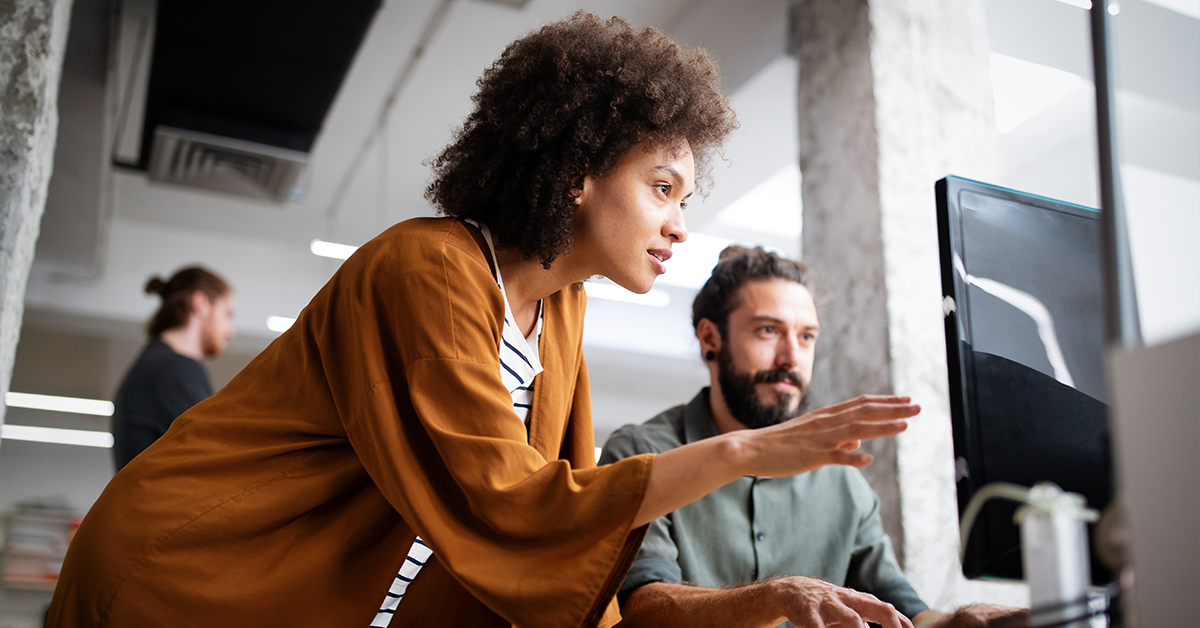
(160, 386)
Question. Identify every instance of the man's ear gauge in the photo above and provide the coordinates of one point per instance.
(710, 355)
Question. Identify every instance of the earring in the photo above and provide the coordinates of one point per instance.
(710, 355)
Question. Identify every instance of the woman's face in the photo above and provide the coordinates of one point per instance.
(629, 217)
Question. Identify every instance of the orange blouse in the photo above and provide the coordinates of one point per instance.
(292, 495)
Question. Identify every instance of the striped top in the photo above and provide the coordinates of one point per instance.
(519, 364)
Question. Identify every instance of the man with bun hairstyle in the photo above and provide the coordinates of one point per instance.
(805, 550)
(194, 321)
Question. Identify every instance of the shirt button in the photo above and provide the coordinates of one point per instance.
(760, 536)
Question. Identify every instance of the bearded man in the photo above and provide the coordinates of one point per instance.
(807, 550)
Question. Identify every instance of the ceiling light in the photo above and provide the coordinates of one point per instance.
(1083, 4)
(55, 435)
(279, 324)
(53, 403)
(331, 249)
(654, 298)
(1022, 89)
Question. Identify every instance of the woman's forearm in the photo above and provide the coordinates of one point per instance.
(683, 475)
(826, 436)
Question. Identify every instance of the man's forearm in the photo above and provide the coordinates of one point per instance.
(664, 605)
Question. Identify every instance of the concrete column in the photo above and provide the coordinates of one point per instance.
(893, 95)
(33, 37)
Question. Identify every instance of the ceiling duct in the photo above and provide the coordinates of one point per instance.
(224, 164)
(237, 91)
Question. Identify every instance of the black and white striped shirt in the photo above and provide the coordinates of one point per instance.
(519, 364)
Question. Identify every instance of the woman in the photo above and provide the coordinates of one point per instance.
(293, 495)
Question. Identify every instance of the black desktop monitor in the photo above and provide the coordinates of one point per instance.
(1023, 290)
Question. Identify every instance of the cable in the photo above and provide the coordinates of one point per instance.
(1007, 490)
(1044, 496)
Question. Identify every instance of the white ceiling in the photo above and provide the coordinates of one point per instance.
(263, 248)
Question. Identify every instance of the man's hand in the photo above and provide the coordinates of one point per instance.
(975, 616)
(812, 603)
(806, 602)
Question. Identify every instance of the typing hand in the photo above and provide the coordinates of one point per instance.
(812, 603)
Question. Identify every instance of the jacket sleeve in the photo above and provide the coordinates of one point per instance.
(658, 558)
(409, 341)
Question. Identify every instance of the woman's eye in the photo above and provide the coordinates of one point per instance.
(664, 188)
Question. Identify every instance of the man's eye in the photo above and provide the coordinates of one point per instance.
(767, 329)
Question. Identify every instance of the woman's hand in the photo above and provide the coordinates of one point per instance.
(827, 436)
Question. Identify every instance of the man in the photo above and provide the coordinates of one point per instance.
(195, 321)
(790, 543)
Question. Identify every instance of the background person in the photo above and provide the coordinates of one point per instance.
(194, 321)
(293, 495)
(762, 551)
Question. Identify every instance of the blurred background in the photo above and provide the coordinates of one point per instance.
(330, 110)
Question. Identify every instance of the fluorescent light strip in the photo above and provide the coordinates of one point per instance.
(56, 435)
(74, 405)
(1114, 7)
(279, 324)
(654, 298)
(331, 249)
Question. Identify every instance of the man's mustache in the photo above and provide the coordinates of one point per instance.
(771, 376)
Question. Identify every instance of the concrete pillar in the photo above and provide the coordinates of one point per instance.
(893, 95)
(33, 37)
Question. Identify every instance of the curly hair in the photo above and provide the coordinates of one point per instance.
(568, 101)
(737, 266)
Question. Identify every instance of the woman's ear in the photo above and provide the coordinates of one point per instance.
(579, 188)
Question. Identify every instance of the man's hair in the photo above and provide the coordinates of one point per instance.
(177, 294)
(564, 102)
(736, 267)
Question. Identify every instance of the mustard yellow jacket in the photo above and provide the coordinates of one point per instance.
(291, 496)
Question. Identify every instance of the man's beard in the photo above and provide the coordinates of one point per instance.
(743, 401)
(210, 344)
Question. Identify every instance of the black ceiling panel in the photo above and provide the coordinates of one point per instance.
(266, 71)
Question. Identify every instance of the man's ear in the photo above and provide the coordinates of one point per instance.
(709, 337)
(199, 304)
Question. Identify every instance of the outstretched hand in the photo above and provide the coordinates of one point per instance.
(826, 436)
(829, 435)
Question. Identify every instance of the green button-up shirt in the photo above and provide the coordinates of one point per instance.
(822, 524)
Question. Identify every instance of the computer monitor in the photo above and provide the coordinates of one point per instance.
(1023, 289)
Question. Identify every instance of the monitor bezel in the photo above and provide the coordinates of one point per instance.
(960, 364)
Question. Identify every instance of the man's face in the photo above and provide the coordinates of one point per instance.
(765, 362)
(217, 325)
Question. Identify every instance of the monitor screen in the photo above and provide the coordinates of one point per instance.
(1023, 289)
